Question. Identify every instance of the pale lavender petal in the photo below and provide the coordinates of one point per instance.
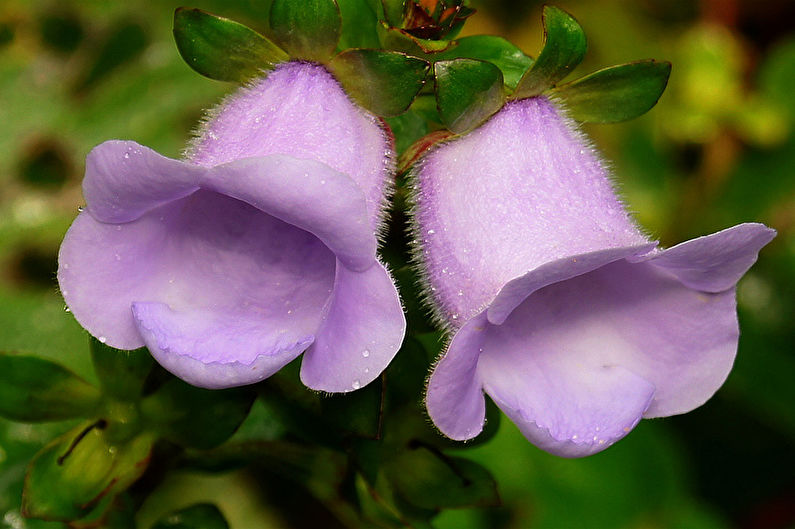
(300, 110)
(551, 366)
(454, 396)
(307, 194)
(598, 328)
(218, 349)
(716, 262)
(207, 259)
(518, 192)
(124, 180)
(516, 291)
(362, 329)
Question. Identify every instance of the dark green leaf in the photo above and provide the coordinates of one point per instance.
(384, 82)
(496, 50)
(468, 91)
(400, 40)
(199, 516)
(432, 480)
(307, 29)
(71, 475)
(393, 11)
(407, 128)
(357, 413)
(564, 48)
(120, 373)
(359, 23)
(617, 93)
(223, 49)
(196, 417)
(34, 389)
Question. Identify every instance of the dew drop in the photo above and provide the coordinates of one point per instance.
(356, 384)
(366, 353)
(81, 209)
(118, 257)
(66, 266)
(431, 232)
(126, 156)
(66, 308)
(102, 339)
(366, 370)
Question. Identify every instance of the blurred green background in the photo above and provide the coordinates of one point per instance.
(717, 150)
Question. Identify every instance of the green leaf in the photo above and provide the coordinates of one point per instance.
(198, 516)
(196, 417)
(384, 82)
(33, 389)
(223, 49)
(564, 48)
(468, 91)
(307, 29)
(121, 373)
(359, 24)
(617, 93)
(71, 475)
(496, 50)
(432, 480)
(393, 11)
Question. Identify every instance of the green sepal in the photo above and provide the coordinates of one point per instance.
(121, 373)
(198, 516)
(398, 39)
(359, 24)
(33, 389)
(394, 11)
(223, 49)
(70, 476)
(195, 417)
(432, 480)
(617, 93)
(468, 91)
(503, 54)
(383, 82)
(564, 48)
(307, 29)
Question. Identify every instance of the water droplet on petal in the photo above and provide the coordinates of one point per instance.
(366, 353)
(81, 209)
(126, 156)
(65, 266)
(118, 257)
(356, 384)
(431, 232)
(66, 308)
(102, 339)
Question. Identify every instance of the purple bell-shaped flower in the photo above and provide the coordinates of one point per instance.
(560, 308)
(259, 246)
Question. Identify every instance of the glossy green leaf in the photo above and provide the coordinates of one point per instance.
(121, 373)
(359, 23)
(384, 82)
(503, 54)
(393, 11)
(468, 91)
(564, 48)
(617, 93)
(196, 417)
(432, 480)
(397, 39)
(223, 49)
(198, 516)
(33, 389)
(307, 29)
(71, 475)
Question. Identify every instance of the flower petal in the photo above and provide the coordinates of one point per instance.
(454, 398)
(361, 332)
(304, 193)
(716, 262)
(520, 191)
(300, 110)
(548, 367)
(516, 291)
(214, 349)
(207, 259)
(124, 180)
